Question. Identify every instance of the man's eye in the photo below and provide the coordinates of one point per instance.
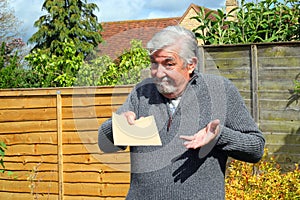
(169, 66)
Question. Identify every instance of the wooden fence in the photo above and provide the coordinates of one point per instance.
(264, 74)
(51, 134)
(51, 137)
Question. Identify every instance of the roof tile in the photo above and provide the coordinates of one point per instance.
(118, 35)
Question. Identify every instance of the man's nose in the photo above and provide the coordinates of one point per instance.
(160, 73)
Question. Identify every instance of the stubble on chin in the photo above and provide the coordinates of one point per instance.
(165, 86)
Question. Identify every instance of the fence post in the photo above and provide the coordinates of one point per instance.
(254, 83)
(59, 145)
(201, 60)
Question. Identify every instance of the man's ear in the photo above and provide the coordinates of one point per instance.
(192, 66)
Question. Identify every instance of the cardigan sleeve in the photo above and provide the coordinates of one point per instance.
(240, 137)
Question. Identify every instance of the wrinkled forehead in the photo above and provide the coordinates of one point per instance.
(164, 54)
(171, 49)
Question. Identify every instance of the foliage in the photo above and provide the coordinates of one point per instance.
(2, 154)
(264, 21)
(295, 93)
(12, 74)
(124, 70)
(213, 28)
(9, 24)
(263, 180)
(131, 62)
(56, 71)
(67, 20)
(68, 69)
(13, 77)
(91, 73)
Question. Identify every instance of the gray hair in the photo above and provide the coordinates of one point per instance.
(176, 36)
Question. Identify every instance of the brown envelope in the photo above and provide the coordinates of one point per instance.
(143, 133)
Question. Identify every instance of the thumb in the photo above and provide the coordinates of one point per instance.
(130, 116)
(213, 125)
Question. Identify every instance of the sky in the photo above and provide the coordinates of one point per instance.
(28, 11)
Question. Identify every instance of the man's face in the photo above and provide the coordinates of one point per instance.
(170, 73)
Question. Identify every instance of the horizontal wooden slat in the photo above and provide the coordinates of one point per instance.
(12, 166)
(73, 137)
(88, 100)
(273, 95)
(15, 102)
(39, 114)
(29, 138)
(93, 177)
(94, 189)
(273, 85)
(33, 149)
(93, 158)
(71, 149)
(97, 167)
(292, 149)
(279, 126)
(82, 124)
(282, 139)
(85, 197)
(25, 186)
(31, 158)
(287, 158)
(66, 91)
(26, 196)
(31, 175)
(279, 115)
(28, 126)
(80, 137)
(269, 104)
(88, 112)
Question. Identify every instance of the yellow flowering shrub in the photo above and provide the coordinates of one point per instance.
(263, 180)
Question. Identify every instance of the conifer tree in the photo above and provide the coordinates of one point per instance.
(67, 20)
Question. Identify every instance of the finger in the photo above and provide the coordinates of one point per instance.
(187, 137)
(191, 145)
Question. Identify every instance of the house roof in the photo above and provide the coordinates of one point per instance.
(197, 9)
(118, 35)
(192, 6)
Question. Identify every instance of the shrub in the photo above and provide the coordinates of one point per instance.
(126, 69)
(263, 180)
(2, 154)
(99, 71)
(55, 71)
(260, 21)
(295, 92)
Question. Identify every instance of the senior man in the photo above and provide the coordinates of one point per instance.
(201, 119)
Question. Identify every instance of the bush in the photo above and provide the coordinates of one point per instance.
(126, 69)
(263, 180)
(262, 21)
(2, 154)
(295, 92)
(55, 71)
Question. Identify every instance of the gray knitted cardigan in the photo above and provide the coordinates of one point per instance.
(171, 171)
